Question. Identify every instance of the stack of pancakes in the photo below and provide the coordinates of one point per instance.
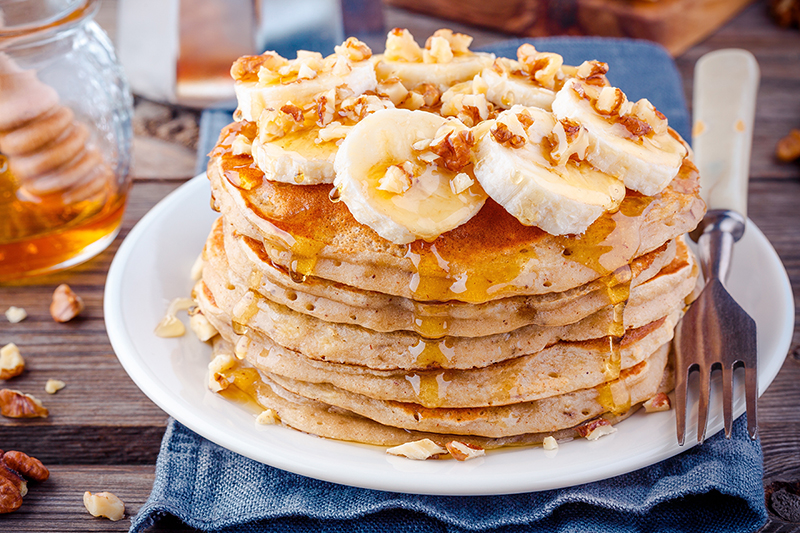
(495, 333)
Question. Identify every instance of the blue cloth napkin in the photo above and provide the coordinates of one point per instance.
(716, 487)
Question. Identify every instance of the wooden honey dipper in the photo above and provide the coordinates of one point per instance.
(45, 145)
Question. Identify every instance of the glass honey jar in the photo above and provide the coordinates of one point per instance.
(65, 136)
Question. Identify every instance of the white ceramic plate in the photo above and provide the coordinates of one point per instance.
(152, 267)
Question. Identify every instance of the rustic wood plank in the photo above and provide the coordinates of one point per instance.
(101, 417)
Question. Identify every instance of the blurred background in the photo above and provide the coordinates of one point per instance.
(177, 55)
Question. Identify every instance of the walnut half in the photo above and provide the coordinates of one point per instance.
(14, 404)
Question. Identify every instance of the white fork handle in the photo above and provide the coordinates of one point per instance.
(724, 102)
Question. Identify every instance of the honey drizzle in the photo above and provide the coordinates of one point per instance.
(243, 312)
(430, 387)
(242, 172)
(609, 241)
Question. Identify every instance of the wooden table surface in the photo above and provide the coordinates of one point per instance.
(104, 434)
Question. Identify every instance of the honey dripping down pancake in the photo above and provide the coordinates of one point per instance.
(435, 243)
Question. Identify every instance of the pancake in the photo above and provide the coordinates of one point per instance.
(494, 332)
(336, 302)
(491, 256)
(318, 418)
(343, 343)
(542, 416)
(557, 369)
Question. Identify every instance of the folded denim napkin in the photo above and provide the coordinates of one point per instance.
(716, 487)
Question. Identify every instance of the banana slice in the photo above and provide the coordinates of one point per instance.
(526, 164)
(505, 89)
(270, 81)
(298, 145)
(628, 140)
(407, 174)
(445, 60)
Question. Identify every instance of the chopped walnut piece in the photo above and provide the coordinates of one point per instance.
(11, 362)
(543, 67)
(636, 127)
(430, 93)
(659, 402)
(14, 404)
(217, 380)
(437, 50)
(789, 147)
(593, 72)
(268, 417)
(393, 89)
(201, 326)
(295, 112)
(462, 451)
(397, 178)
(455, 151)
(401, 46)
(247, 68)
(503, 135)
(16, 314)
(596, 428)
(354, 50)
(53, 386)
(609, 101)
(550, 443)
(104, 504)
(66, 305)
(419, 450)
(459, 42)
(461, 182)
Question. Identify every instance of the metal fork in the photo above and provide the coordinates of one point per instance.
(716, 333)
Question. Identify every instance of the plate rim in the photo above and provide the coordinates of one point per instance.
(145, 380)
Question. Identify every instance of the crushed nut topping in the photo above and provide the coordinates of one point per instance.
(455, 151)
(463, 451)
(11, 362)
(354, 50)
(16, 314)
(217, 379)
(246, 68)
(14, 404)
(596, 428)
(397, 178)
(550, 443)
(204, 330)
(542, 67)
(593, 72)
(401, 46)
(104, 504)
(268, 417)
(504, 136)
(636, 127)
(659, 402)
(458, 42)
(418, 450)
(53, 386)
(66, 305)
